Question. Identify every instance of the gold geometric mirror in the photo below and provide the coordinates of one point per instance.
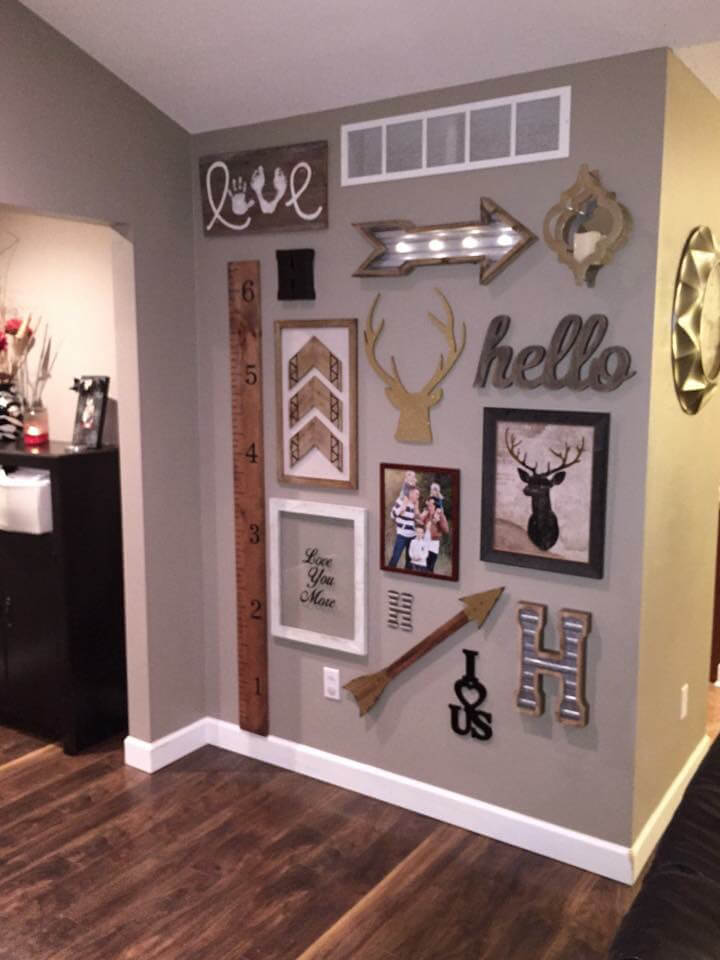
(586, 226)
(696, 321)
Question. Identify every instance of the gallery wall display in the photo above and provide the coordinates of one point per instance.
(569, 361)
(477, 607)
(92, 394)
(246, 380)
(296, 278)
(467, 717)
(400, 608)
(567, 663)
(544, 489)
(586, 226)
(420, 520)
(316, 402)
(318, 574)
(414, 407)
(695, 335)
(272, 189)
(399, 246)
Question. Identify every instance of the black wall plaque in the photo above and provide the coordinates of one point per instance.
(295, 274)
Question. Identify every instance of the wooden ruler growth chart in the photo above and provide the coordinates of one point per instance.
(249, 492)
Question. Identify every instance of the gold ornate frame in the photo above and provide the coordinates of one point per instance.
(694, 384)
(573, 206)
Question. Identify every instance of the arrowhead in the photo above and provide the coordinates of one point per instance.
(316, 434)
(478, 605)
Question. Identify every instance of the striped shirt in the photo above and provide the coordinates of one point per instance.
(404, 517)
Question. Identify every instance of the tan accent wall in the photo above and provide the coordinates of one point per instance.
(683, 470)
(582, 779)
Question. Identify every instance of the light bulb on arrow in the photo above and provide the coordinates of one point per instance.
(399, 245)
(368, 688)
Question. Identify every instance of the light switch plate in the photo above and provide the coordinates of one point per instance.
(331, 683)
(684, 693)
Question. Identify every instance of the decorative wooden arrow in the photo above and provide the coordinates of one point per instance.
(314, 354)
(316, 434)
(368, 688)
(399, 246)
(315, 395)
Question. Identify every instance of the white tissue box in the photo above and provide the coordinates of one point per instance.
(25, 501)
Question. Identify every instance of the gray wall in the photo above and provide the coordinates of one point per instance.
(683, 470)
(582, 779)
(79, 143)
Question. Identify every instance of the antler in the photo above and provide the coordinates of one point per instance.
(563, 457)
(513, 446)
(371, 338)
(448, 330)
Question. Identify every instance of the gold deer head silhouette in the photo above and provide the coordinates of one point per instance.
(414, 422)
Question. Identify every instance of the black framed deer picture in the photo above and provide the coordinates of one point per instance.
(544, 489)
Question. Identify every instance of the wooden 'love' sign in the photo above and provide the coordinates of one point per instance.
(277, 188)
(569, 361)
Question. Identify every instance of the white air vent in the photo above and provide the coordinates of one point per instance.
(489, 133)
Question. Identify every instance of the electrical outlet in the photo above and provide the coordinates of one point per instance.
(684, 692)
(331, 683)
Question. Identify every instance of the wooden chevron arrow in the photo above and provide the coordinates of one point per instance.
(368, 688)
(314, 395)
(399, 245)
(314, 354)
(316, 434)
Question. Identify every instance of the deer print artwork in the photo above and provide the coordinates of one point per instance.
(545, 489)
(542, 526)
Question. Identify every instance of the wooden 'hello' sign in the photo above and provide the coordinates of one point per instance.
(274, 189)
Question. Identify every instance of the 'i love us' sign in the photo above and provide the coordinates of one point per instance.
(273, 189)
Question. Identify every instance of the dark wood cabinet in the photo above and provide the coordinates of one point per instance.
(62, 624)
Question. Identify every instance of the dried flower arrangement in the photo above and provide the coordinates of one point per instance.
(32, 383)
(16, 339)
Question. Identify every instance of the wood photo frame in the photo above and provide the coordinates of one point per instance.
(316, 402)
(426, 500)
(526, 521)
(318, 574)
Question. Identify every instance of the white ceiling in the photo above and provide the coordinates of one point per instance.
(217, 63)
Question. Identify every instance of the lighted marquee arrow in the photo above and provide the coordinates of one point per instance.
(399, 245)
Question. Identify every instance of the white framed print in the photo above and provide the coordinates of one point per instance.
(318, 574)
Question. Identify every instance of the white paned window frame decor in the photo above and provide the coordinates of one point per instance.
(466, 110)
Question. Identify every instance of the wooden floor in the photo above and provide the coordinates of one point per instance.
(219, 857)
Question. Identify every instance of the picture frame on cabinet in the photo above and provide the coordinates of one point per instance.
(318, 574)
(420, 520)
(544, 489)
(316, 402)
(92, 394)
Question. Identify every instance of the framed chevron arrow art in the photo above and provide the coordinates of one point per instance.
(399, 246)
(316, 401)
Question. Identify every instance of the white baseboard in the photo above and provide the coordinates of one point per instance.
(151, 757)
(661, 816)
(583, 850)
